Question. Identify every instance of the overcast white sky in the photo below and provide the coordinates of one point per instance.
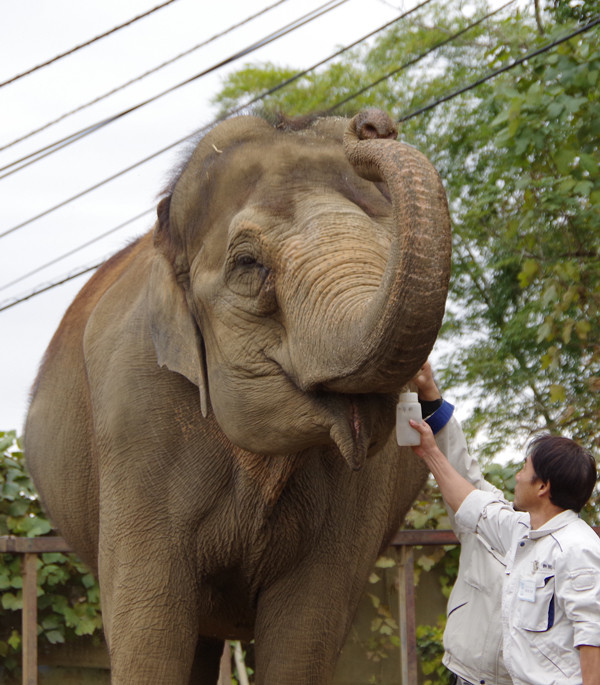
(34, 31)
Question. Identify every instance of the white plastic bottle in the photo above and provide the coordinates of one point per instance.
(408, 407)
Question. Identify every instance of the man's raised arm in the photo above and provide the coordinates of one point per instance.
(453, 486)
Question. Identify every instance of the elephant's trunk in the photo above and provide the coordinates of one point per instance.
(405, 315)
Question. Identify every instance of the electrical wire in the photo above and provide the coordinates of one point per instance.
(513, 64)
(497, 72)
(230, 113)
(76, 249)
(13, 303)
(247, 104)
(83, 45)
(242, 107)
(304, 72)
(43, 152)
(418, 58)
(142, 76)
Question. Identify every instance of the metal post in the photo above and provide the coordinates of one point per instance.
(30, 671)
(406, 606)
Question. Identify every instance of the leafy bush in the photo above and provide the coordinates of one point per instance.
(431, 652)
(68, 597)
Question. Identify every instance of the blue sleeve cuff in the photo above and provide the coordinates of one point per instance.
(440, 417)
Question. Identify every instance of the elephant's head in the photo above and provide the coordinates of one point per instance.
(301, 279)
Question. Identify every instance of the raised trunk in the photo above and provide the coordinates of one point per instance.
(397, 335)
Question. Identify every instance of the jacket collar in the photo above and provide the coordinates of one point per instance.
(555, 523)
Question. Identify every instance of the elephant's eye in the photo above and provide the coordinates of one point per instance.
(247, 275)
(245, 260)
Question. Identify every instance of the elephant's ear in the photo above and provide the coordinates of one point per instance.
(175, 334)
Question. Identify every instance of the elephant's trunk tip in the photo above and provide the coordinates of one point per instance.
(361, 142)
(373, 123)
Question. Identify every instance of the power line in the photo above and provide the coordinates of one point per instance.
(83, 45)
(198, 131)
(12, 303)
(497, 72)
(76, 249)
(266, 93)
(300, 74)
(419, 57)
(43, 152)
(142, 76)
(230, 113)
(435, 103)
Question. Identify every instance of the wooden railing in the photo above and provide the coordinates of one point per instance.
(406, 540)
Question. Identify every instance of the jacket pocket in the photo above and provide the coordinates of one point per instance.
(538, 616)
(560, 658)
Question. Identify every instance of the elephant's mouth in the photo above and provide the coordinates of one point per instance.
(361, 424)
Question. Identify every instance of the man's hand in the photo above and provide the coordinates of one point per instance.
(426, 387)
(428, 448)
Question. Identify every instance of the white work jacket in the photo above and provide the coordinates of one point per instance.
(551, 594)
(473, 633)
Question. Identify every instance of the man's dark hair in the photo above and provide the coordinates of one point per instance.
(568, 467)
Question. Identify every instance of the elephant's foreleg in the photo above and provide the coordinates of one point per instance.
(150, 617)
(153, 651)
(302, 624)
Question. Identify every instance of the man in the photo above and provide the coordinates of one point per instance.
(473, 633)
(551, 592)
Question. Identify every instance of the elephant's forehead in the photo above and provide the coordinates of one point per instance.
(286, 163)
(278, 191)
(305, 200)
(312, 215)
(274, 172)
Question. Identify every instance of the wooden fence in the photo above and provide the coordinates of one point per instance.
(406, 540)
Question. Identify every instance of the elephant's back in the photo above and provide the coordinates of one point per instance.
(58, 437)
(69, 335)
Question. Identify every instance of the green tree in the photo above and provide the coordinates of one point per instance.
(574, 10)
(68, 597)
(526, 282)
(519, 155)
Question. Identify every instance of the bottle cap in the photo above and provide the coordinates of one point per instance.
(408, 397)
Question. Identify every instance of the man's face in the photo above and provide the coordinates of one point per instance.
(526, 488)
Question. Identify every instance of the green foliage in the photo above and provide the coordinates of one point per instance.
(429, 512)
(520, 159)
(581, 11)
(383, 641)
(526, 265)
(253, 80)
(68, 597)
(241, 671)
(431, 651)
(387, 73)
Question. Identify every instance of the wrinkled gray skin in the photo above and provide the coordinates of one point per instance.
(211, 428)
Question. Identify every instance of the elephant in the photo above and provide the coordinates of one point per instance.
(211, 427)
